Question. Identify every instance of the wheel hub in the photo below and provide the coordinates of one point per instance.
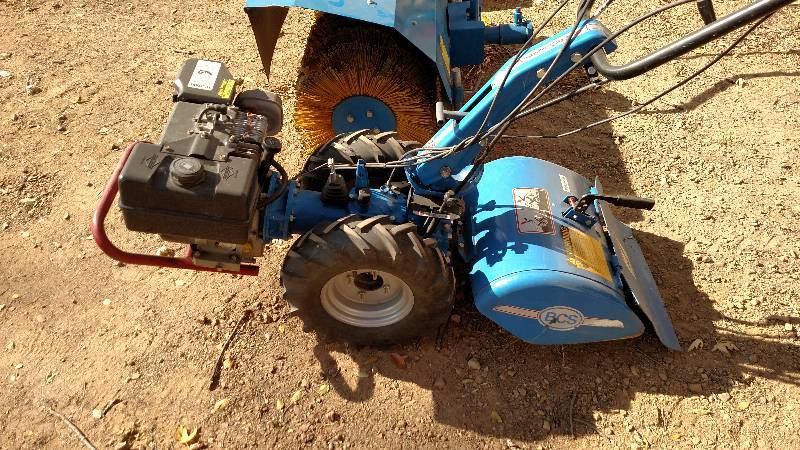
(361, 112)
(367, 298)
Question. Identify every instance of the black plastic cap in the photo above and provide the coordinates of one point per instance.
(187, 172)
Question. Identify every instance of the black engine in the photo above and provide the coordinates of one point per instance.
(200, 183)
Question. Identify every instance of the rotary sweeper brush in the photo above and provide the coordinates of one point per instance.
(380, 65)
(390, 228)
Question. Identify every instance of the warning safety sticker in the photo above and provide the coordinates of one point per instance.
(205, 75)
(532, 207)
(585, 252)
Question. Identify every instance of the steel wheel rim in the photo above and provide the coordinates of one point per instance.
(367, 298)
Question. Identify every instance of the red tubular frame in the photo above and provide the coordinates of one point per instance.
(105, 244)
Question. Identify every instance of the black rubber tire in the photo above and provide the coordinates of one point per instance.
(353, 243)
(348, 149)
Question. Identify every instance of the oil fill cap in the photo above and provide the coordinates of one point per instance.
(187, 172)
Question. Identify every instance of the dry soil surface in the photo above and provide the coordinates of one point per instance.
(79, 333)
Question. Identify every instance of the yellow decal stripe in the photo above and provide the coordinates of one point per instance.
(585, 252)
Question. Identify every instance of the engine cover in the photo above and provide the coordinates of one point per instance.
(199, 182)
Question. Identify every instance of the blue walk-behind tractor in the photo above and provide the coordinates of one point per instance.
(390, 229)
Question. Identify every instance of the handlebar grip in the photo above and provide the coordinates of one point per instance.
(629, 201)
(698, 38)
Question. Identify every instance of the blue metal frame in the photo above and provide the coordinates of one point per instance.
(422, 22)
(430, 177)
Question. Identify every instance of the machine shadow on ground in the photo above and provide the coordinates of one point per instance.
(718, 88)
(527, 392)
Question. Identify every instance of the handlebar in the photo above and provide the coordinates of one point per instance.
(698, 38)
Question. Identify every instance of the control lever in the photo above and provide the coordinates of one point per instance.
(627, 201)
(443, 115)
(577, 207)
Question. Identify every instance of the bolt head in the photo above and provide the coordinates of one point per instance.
(350, 118)
(370, 113)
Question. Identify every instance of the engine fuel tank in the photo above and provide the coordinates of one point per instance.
(544, 278)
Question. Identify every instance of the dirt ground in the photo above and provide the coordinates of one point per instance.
(79, 333)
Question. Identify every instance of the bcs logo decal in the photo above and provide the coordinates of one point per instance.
(559, 318)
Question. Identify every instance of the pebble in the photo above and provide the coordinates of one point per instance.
(4, 226)
(332, 416)
(724, 396)
(546, 425)
(221, 404)
(788, 327)
(39, 318)
(32, 85)
(474, 364)
(67, 216)
(697, 388)
(2, 306)
(165, 251)
(106, 302)
(743, 405)
(4, 74)
(97, 414)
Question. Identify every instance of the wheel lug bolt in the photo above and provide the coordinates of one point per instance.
(350, 118)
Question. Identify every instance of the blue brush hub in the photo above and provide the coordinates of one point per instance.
(361, 112)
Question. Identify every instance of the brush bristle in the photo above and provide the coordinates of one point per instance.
(367, 61)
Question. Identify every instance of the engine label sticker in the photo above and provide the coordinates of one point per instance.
(205, 75)
(585, 252)
(559, 318)
(532, 207)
